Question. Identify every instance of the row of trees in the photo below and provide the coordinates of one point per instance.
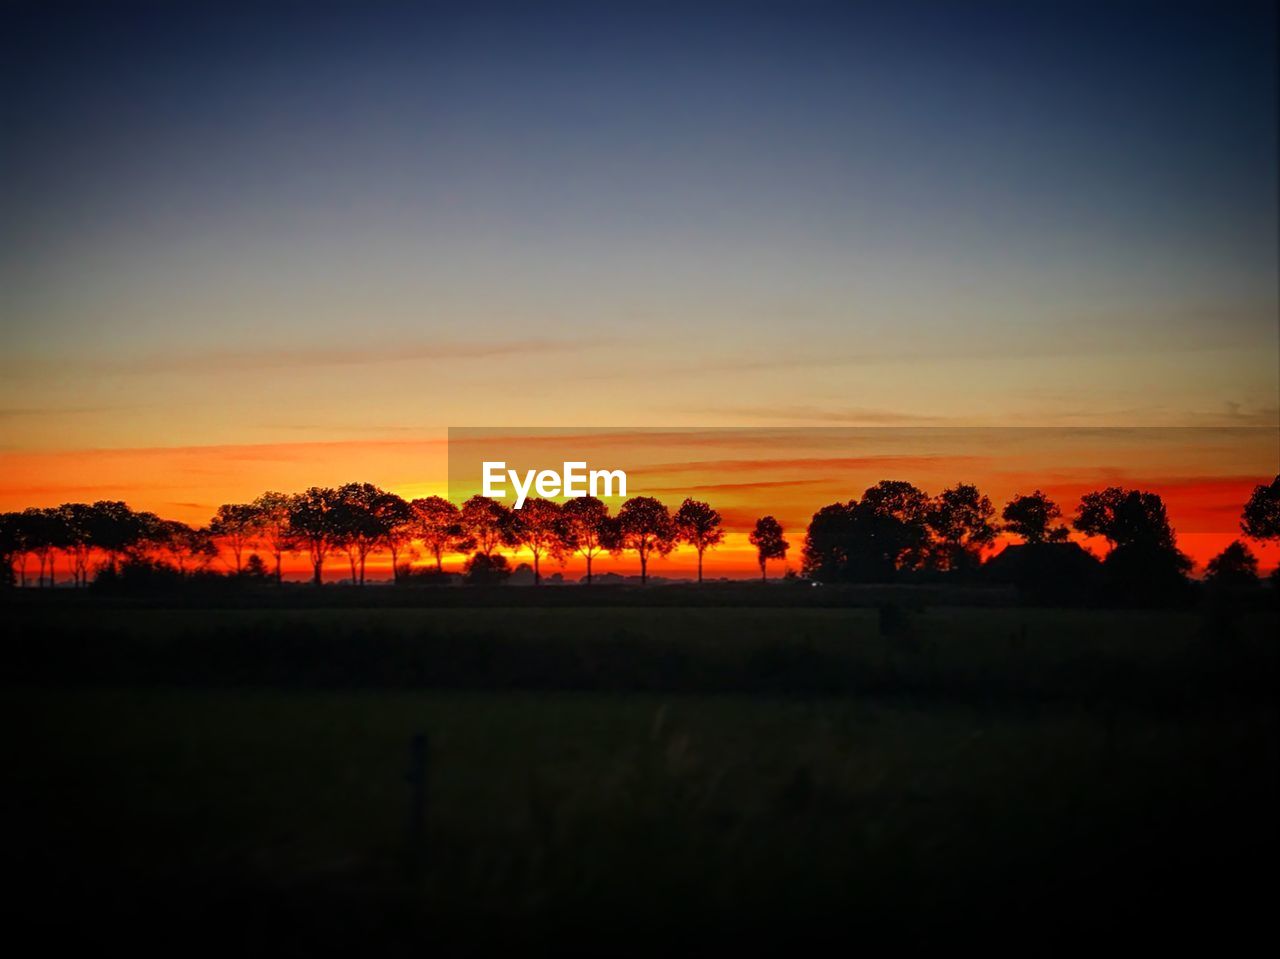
(895, 527)
(356, 521)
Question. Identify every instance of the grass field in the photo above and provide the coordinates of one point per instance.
(269, 804)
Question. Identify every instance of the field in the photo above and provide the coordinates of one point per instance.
(632, 772)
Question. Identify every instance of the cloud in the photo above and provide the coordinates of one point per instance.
(849, 416)
(305, 357)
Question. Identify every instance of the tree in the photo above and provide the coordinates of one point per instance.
(77, 520)
(234, 525)
(961, 519)
(697, 524)
(188, 548)
(829, 542)
(313, 523)
(114, 528)
(359, 525)
(768, 541)
(588, 528)
(1235, 566)
(539, 528)
(394, 518)
(1125, 518)
(872, 539)
(487, 523)
(1261, 517)
(438, 524)
(484, 569)
(271, 527)
(10, 546)
(644, 525)
(1144, 564)
(1033, 517)
(41, 535)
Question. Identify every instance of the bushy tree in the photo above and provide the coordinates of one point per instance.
(272, 531)
(539, 527)
(313, 523)
(234, 525)
(437, 523)
(395, 521)
(872, 539)
(768, 541)
(645, 527)
(1035, 518)
(486, 569)
(588, 528)
(1144, 564)
(697, 524)
(1261, 518)
(488, 524)
(360, 530)
(962, 521)
(1235, 566)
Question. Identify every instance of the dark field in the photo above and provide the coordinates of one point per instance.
(624, 775)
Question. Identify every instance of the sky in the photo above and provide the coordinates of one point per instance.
(330, 232)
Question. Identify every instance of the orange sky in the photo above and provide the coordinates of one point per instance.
(1204, 475)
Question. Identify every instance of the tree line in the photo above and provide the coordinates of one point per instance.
(893, 531)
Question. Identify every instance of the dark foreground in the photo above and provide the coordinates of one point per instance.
(1123, 789)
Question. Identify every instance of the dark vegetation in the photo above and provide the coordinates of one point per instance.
(895, 533)
(925, 760)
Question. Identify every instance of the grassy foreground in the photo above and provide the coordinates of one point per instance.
(281, 809)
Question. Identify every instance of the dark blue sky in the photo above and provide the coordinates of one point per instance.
(885, 183)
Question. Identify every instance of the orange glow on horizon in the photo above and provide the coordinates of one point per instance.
(188, 484)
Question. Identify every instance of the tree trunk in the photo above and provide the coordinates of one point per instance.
(644, 569)
(318, 565)
(279, 578)
(763, 576)
(537, 573)
(588, 569)
(699, 566)
(439, 563)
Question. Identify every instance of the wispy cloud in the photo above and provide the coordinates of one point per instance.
(343, 355)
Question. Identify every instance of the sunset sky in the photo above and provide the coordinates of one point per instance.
(242, 249)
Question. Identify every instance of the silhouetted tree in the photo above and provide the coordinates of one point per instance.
(271, 529)
(485, 569)
(644, 525)
(256, 569)
(1034, 518)
(115, 529)
(234, 526)
(313, 523)
(1235, 566)
(1144, 563)
(539, 528)
(871, 539)
(360, 528)
(395, 522)
(768, 541)
(829, 542)
(438, 524)
(961, 519)
(697, 524)
(1125, 518)
(78, 539)
(189, 549)
(487, 523)
(42, 535)
(1261, 518)
(10, 545)
(589, 530)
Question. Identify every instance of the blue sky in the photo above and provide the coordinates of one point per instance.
(340, 221)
